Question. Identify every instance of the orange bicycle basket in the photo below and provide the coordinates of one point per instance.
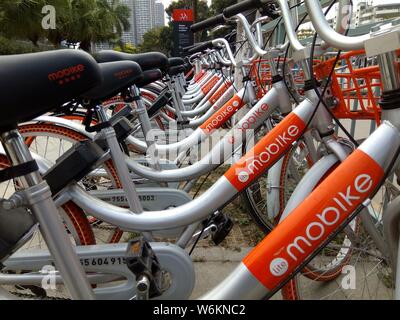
(356, 89)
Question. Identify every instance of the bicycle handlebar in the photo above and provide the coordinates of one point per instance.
(250, 37)
(329, 35)
(243, 6)
(289, 25)
(200, 47)
(186, 49)
(227, 13)
(208, 23)
(225, 44)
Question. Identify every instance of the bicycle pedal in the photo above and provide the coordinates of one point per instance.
(224, 226)
(143, 263)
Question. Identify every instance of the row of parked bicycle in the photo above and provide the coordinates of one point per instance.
(102, 157)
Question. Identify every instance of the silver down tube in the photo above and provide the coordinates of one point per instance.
(39, 199)
(239, 285)
(216, 196)
(222, 151)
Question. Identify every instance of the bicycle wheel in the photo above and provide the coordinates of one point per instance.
(365, 272)
(366, 275)
(50, 142)
(77, 226)
(267, 202)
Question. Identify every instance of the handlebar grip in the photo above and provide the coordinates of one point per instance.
(186, 49)
(241, 7)
(208, 23)
(201, 47)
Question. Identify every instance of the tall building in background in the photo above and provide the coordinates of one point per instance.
(145, 18)
(144, 15)
(129, 35)
(159, 14)
(372, 12)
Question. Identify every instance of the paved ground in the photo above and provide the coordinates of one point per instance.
(212, 265)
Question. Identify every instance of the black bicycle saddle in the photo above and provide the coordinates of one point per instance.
(147, 61)
(36, 83)
(117, 76)
(150, 76)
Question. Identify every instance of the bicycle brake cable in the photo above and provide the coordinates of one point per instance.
(321, 96)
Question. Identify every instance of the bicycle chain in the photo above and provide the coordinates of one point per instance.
(100, 227)
(35, 297)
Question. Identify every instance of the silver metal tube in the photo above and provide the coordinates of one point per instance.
(122, 169)
(336, 148)
(389, 70)
(220, 193)
(187, 235)
(289, 26)
(222, 150)
(249, 34)
(225, 43)
(330, 36)
(50, 223)
(222, 60)
(216, 196)
(294, 11)
(239, 285)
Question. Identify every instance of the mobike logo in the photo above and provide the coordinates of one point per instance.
(267, 151)
(210, 84)
(330, 215)
(219, 93)
(67, 75)
(279, 267)
(310, 224)
(252, 119)
(123, 74)
(222, 115)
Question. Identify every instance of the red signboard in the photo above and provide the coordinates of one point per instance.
(183, 15)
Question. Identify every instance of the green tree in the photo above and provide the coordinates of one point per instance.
(127, 48)
(157, 39)
(78, 21)
(92, 21)
(217, 6)
(22, 19)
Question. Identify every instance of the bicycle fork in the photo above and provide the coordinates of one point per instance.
(39, 199)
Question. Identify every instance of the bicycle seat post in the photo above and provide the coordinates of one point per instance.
(119, 161)
(146, 128)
